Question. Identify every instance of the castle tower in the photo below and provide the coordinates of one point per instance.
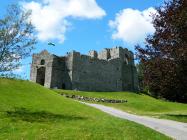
(49, 70)
(41, 68)
(128, 70)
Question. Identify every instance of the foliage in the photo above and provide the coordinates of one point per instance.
(11, 76)
(139, 104)
(140, 71)
(16, 38)
(165, 53)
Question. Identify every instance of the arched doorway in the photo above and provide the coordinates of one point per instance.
(40, 79)
(63, 86)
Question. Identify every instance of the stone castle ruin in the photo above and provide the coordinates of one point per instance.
(109, 70)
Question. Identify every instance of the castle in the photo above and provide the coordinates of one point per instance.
(109, 70)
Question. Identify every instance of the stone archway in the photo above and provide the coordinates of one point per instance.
(40, 79)
(63, 86)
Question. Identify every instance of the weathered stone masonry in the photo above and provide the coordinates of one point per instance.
(110, 70)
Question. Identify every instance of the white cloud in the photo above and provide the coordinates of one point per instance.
(132, 26)
(50, 16)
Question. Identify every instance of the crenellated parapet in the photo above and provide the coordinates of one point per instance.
(114, 53)
(112, 69)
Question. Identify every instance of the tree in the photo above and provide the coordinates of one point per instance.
(140, 72)
(16, 38)
(165, 54)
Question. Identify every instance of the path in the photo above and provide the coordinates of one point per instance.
(173, 129)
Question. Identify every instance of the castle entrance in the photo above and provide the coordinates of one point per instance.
(40, 79)
(63, 86)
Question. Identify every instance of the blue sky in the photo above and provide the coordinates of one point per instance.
(106, 23)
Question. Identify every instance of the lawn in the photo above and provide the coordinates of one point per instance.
(140, 104)
(30, 111)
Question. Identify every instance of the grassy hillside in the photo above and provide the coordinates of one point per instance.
(29, 111)
(140, 104)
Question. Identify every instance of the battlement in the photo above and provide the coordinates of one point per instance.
(106, 55)
(112, 69)
(111, 53)
(93, 54)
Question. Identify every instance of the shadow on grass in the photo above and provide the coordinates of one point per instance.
(41, 116)
(177, 115)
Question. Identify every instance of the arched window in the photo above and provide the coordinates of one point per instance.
(42, 62)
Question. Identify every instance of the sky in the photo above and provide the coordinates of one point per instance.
(84, 25)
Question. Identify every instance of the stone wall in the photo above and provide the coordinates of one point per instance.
(58, 68)
(110, 70)
(96, 75)
(93, 54)
(105, 54)
(36, 64)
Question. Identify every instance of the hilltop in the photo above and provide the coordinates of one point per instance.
(30, 111)
(139, 104)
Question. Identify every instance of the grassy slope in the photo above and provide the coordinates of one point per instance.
(141, 104)
(29, 111)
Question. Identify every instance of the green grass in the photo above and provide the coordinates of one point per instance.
(140, 104)
(29, 111)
